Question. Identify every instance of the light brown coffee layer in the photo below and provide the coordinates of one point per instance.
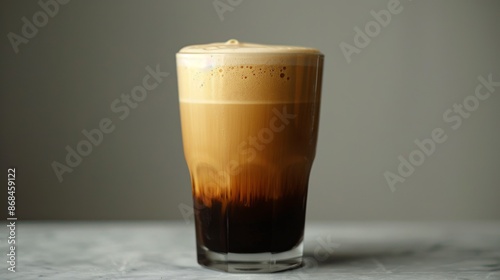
(244, 152)
(249, 119)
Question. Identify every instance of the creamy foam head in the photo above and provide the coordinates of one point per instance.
(234, 72)
(234, 46)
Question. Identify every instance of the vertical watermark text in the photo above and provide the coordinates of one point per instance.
(11, 219)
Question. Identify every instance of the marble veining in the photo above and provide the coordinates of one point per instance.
(166, 250)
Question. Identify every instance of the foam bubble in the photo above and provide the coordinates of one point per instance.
(235, 72)
(234, 46)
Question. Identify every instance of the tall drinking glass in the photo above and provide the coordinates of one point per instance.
(249, 116)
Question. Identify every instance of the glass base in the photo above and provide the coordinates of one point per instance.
(250, 263)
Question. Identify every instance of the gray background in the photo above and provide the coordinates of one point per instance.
(393, 92)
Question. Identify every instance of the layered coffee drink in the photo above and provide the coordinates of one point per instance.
(249, 116)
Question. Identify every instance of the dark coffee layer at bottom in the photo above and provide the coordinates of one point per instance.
(261, 226)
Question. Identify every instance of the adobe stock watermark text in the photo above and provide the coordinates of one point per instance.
(121, 107)
(223, 6)
(11, 220)
(454, 118)
(30, 28)
(373, 28)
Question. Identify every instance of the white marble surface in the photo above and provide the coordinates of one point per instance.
(166, 250)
